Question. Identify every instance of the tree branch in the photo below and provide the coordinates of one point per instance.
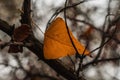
(7, 28)
(100, 60)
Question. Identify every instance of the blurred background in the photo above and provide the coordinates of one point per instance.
(89, 22)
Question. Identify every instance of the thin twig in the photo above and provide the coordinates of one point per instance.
(100, 60)
(58, 11)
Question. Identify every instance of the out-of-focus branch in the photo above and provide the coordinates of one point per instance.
(100, 60)
(26, 15)
(7, 28)
(97, 29)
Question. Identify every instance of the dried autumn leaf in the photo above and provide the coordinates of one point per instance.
(15, 49)
(87, 33)
(57, 42)
(21, 33)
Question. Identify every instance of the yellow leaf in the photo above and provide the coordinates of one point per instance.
(57, 42)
